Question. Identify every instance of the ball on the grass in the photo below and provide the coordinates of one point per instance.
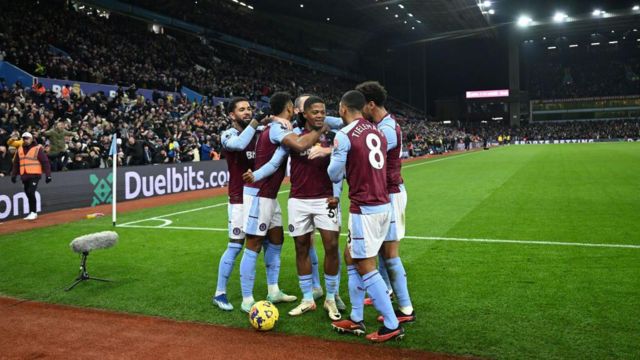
(263, 316)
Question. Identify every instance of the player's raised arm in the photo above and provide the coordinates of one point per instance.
(341, 146)
(233, 140)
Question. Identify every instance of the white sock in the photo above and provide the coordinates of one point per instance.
(273, 289)
(248, 300)
(408, 310)
(218, 293)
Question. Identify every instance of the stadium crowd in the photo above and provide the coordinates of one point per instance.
(597, 130)
(76, 128)
(224, 15)
(589, 76)
(31, 38)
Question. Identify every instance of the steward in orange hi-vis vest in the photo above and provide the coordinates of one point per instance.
(30, 163)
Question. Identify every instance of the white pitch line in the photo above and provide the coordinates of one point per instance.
(436, 160)
(527, 242)
(432, 238)
(173, 228)
(160, 217)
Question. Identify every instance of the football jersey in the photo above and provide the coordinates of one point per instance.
(364, 150)
(309, 178)
(267, 143)
(239, 151)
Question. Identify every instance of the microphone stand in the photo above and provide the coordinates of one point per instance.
(84, 275)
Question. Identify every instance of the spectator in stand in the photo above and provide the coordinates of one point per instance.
(134, 151)
(6, 161)
(58, 144)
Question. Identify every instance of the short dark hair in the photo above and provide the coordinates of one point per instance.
(231, 107)
(312, 100)
(353, 100)
(373, 91)
(279, 101)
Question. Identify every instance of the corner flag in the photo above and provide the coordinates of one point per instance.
(113, 152)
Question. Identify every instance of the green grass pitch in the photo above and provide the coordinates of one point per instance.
(528, 297)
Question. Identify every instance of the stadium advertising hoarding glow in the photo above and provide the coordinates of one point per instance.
(481, 94)
(84, 188)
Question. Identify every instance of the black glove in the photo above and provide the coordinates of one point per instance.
(48, 180)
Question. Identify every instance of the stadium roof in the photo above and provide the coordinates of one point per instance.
(568, 16)
(404, 18)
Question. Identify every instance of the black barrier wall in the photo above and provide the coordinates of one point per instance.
(83, 188)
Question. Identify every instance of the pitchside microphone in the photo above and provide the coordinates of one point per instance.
(95, 241)
(86, 243)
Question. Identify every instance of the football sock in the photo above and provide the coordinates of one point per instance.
(306, 284)
(272, 261)
(248, 272)
(356, 294)
(374, 284)
(398, 278)
(225, 267)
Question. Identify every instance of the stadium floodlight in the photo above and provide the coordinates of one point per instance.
(328, 19)
(301, 5)
(524, 21)
(401, 6)
(410, 14)
(595, 44)
(250, 7)
(405, 21)
(486, 4)
(597, 12)
(413, 28)
(386, 8)
(551, 48)
(420, 22)
(573, 45)
(613, 42)
(636, 8)
(560, 17)
(492, 12)
(396, 15)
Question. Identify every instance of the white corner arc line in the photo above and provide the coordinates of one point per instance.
(167, 222)
(431, 238)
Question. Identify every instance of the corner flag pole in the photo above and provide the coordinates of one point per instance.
(113, 151)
